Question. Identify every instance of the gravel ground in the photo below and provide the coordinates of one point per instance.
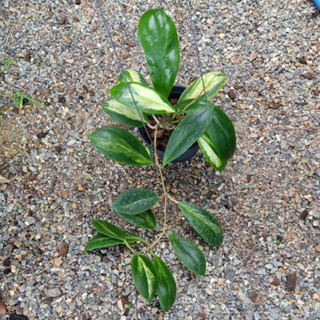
(52, 182)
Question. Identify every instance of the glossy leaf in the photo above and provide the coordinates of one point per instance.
(146, 99)
(124, 114)
(210, 154)
(189, 254)
(144, 276)
(206, 225)
(167, 287)
(158, 36)
(121, 146)
(132, 76)
(222, 134)
(188, 131)
(145, 220)
(135, 201)
(110, 230)
(101, 241)
(213, 82)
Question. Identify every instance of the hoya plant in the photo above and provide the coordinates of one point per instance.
(172, 126)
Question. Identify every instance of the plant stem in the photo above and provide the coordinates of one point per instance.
(151, 126)
(193, 101)
(165, 194)
(172, 199)
(187, 106)
(158, 122)
(156, 119)
(129, 247)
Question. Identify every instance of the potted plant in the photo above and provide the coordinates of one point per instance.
(175, 119)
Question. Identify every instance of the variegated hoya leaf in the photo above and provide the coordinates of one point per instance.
(144, 276)
(101, 241)
(132, 76)
(146, 99)
(108, 229)
(120, 145)
(123, 114)
(158, 36)
(213, 82)
(222, 134)
(208, 151)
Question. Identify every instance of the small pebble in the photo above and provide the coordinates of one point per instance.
(53, 293)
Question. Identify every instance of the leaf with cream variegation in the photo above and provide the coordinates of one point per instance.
(222, 134)
(213, 82)
(108, 229)
(132, 76)
(144, 276)
(123, 114)
(146, 99)
(158, 36)
(210, 154)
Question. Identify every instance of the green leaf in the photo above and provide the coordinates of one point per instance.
(213, 82)
(5, 64)
(206, 225)
(158, 36)
(124, 114)
(34, 101)
(8, 62)
(189, 254)
(135, 201)
(110, 230)
(208, 151)
(188, 131)
(144, 276)
(101, 241)
(167, 287)
(120, 145)
(19, 98)
(146, 99)
(222, 134)
(145, 220)
(132, 76)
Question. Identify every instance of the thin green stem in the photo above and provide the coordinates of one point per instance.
(129, 247)
(146, 242)
(176, 121)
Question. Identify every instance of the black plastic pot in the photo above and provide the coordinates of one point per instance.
(175, 94)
